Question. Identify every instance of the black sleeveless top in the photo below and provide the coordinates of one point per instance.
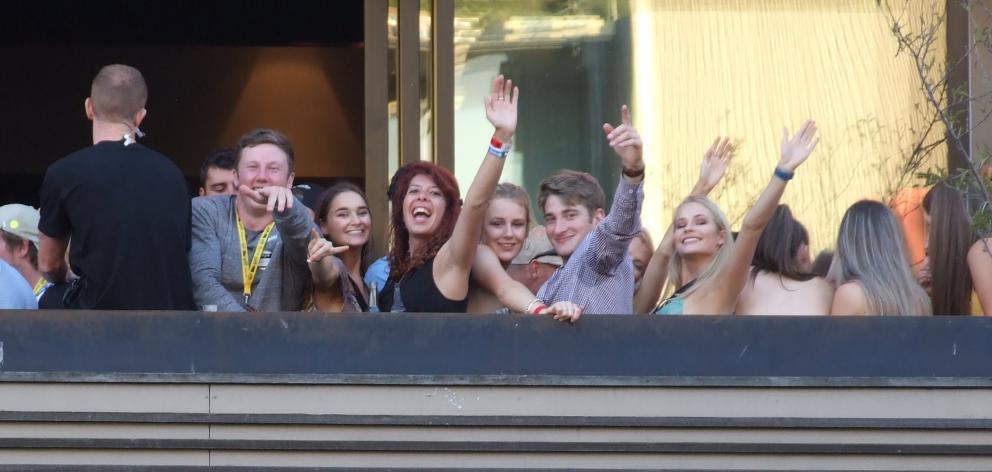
(420, 293)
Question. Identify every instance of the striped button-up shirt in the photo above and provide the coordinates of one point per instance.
(599, 276)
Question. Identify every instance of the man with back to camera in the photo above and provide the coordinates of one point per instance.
(217, 174)
(250, 250)
(125, 208)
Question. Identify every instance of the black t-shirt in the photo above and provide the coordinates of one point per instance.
(420, 294)
(126, 211)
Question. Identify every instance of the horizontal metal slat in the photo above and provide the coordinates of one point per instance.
(501, 421)
(498, 447)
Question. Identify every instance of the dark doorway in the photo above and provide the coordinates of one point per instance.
(215, 69)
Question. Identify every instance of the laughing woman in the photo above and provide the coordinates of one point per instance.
(434, 236)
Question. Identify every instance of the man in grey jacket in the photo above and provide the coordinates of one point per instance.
(250, 250)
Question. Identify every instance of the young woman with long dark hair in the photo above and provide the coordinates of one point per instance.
(780, 281)
(958, 267)
(339, 257)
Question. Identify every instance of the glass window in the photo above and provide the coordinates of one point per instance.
(692, 70)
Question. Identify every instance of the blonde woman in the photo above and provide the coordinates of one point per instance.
(504, 231)
(708, 267)
(871, 266)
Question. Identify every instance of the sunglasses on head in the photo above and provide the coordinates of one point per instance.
(544, 254)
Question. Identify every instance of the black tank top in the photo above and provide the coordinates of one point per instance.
(420, 293)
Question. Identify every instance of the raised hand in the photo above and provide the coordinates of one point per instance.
(501, 108)
(626, 142)
(796, 150)
(564, 311)
(318, 248)
(715, 163)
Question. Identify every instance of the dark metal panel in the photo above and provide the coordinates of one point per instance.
(493, 349)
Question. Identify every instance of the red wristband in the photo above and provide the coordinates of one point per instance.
(538, 309)
(496, 143)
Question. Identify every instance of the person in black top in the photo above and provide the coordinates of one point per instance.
(434, 236)
(124, 207)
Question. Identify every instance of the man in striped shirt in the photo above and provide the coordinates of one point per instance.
(598, 275)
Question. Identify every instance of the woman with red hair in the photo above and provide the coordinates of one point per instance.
(434, 236)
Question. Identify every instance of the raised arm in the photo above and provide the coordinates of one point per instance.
(711, 171)
(731, 281)
(612, 236)
(454, 259)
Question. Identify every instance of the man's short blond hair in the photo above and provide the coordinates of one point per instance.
(118, 93)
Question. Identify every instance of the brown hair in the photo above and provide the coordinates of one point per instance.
(265, 136)
(574, 188)
(15, 241)
(516, 194)
(950, 238)
(324, 205)
(821, 265)
(400, 259)
(118, 93)
(778, 247)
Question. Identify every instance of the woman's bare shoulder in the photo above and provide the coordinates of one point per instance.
(849, 299)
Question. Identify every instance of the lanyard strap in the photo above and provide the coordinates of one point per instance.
(40, 285)
(249, 269)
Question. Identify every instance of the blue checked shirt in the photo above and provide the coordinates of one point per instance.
(599, 276)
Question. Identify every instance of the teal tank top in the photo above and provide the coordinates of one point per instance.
(672, 306)
(675, 304)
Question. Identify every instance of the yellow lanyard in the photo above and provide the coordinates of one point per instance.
(40, 285)
(248, 270)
